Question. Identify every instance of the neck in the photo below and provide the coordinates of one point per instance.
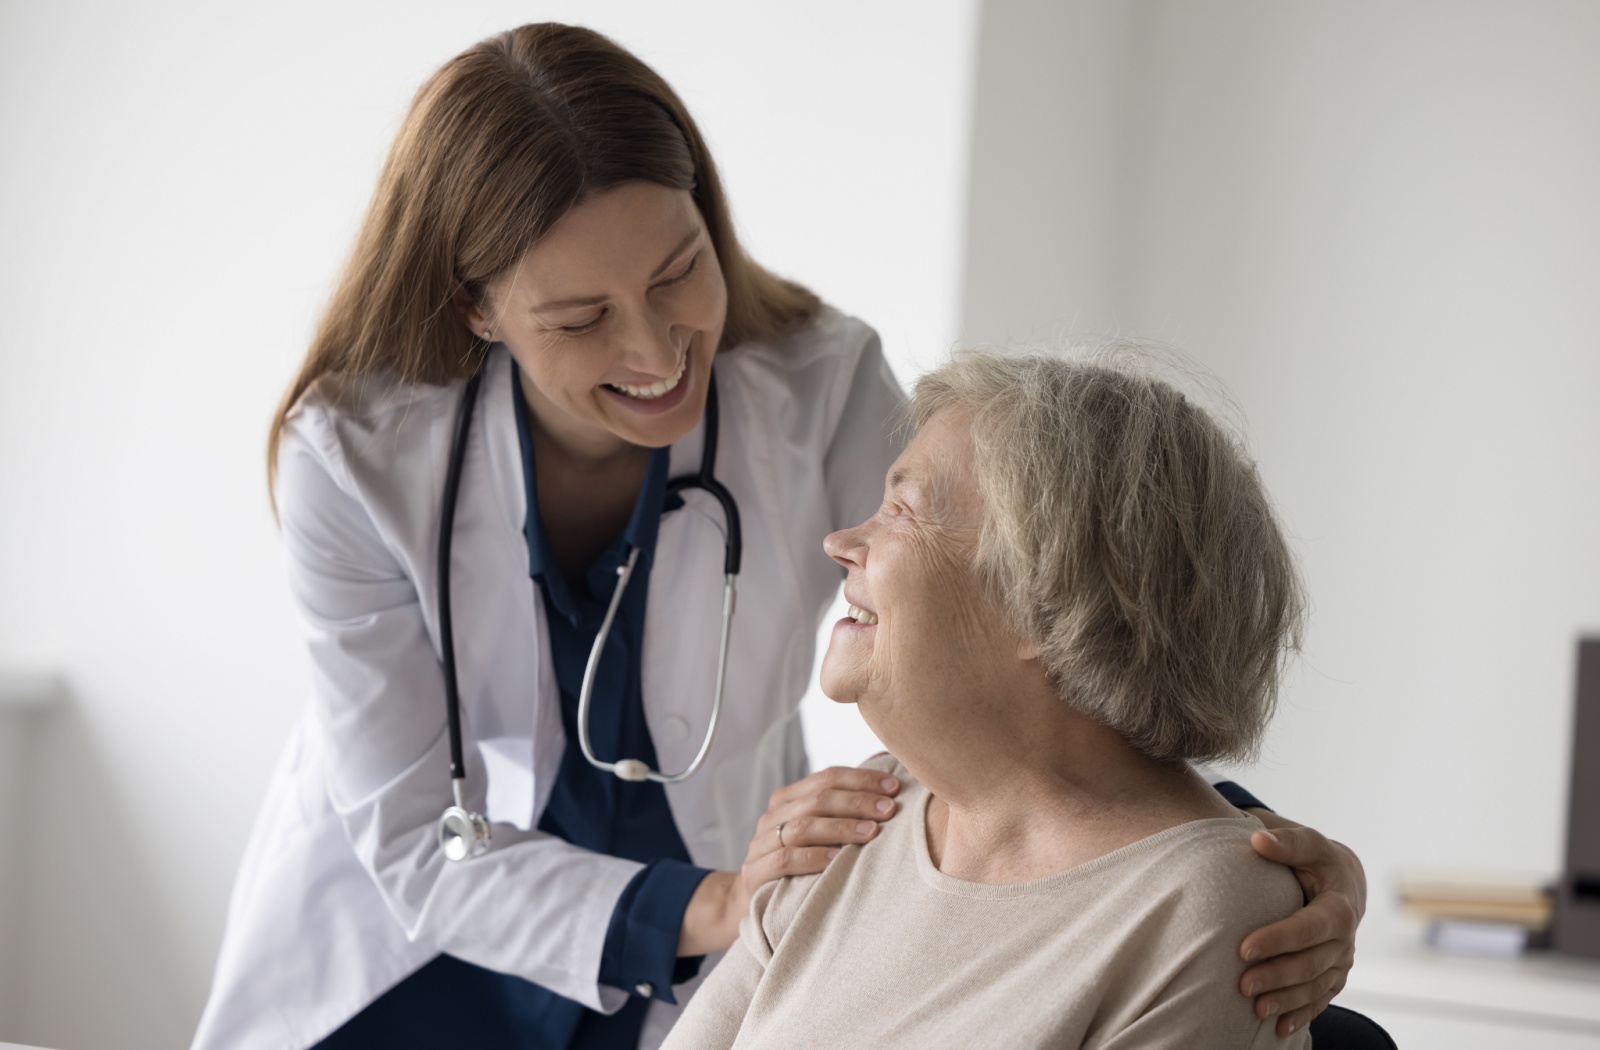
(1032, 787)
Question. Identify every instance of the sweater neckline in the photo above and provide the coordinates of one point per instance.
(938, 880)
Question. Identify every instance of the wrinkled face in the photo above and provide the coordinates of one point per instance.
(921, 636)
(613, 318)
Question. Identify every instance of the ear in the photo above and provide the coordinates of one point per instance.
(1026, 650)
(467, 309)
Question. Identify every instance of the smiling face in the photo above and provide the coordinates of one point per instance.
(613, 318)
(923, 638)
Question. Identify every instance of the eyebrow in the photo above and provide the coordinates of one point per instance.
(907, 478)
(672, 256)
(596, 300)
(933, 486)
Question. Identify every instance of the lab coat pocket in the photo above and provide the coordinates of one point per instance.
(508, 767)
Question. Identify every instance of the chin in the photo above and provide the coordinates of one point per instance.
(837, 688)
(839, 699)
(835, 694)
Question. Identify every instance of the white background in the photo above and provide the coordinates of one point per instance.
(1376, 221)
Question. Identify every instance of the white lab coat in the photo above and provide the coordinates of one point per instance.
(343, 891)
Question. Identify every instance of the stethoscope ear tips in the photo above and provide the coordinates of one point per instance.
(463, 834)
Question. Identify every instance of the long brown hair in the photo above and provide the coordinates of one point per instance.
(499, 144)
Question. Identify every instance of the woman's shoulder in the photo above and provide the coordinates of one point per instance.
(775, 905)
(1208, 869)
(1179, 905)
(375, 443)
(803, 387)
(830, 336)
(815, 365)
(371, 425)
(345, 405)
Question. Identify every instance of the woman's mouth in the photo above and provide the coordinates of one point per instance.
(861, 616)
(664, 395)
(660, 388)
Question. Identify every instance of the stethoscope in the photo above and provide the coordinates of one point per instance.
(464, 834)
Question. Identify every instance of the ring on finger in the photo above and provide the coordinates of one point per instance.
(779, 830)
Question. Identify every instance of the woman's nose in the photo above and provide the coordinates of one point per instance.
(846, 547)
(653, 346)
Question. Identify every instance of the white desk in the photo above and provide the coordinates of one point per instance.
(1431, 1001)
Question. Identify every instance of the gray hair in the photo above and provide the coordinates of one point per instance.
(1130, 538)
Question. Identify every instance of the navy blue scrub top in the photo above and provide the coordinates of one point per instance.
(454, 1003)
(1238, 797)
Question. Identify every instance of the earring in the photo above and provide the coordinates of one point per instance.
(488, 336)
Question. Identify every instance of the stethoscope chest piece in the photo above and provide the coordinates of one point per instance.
(463, 834)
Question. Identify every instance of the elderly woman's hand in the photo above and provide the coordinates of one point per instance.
(1302, 961)
(805, 825)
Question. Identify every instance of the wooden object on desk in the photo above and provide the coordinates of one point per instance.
(1521, 900)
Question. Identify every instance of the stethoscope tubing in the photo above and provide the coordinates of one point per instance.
(632, 768)
(447, 521)
(464, 834)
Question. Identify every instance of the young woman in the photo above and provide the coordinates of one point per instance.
(547, 324)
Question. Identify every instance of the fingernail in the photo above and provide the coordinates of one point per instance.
(1252, 988)
(890, 783)
(1250, 955)
(1272, 1007)
(832, 853)
(865, 827)
(1275, 840)
(1292, 1027)
(884, 805)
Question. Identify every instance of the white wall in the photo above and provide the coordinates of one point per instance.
(181, 182)
(1377, 221)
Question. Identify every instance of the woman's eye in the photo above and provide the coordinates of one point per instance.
(579, 329)
(684, 274)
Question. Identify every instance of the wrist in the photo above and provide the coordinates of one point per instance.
(711, 921)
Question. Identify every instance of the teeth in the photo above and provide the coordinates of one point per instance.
(862, 616)
(654, 390)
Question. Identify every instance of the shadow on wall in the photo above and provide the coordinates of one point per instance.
(90, 966)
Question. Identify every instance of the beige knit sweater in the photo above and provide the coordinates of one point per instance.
(1138, 948)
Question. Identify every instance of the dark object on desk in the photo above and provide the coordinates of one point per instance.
(1339, 1029)
(1577, 925)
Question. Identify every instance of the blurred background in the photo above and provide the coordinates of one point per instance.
(1377, 222)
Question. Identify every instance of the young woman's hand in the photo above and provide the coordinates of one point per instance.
(1301, 962)
(804, 827)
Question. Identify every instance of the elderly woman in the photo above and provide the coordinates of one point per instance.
(1074, 587)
